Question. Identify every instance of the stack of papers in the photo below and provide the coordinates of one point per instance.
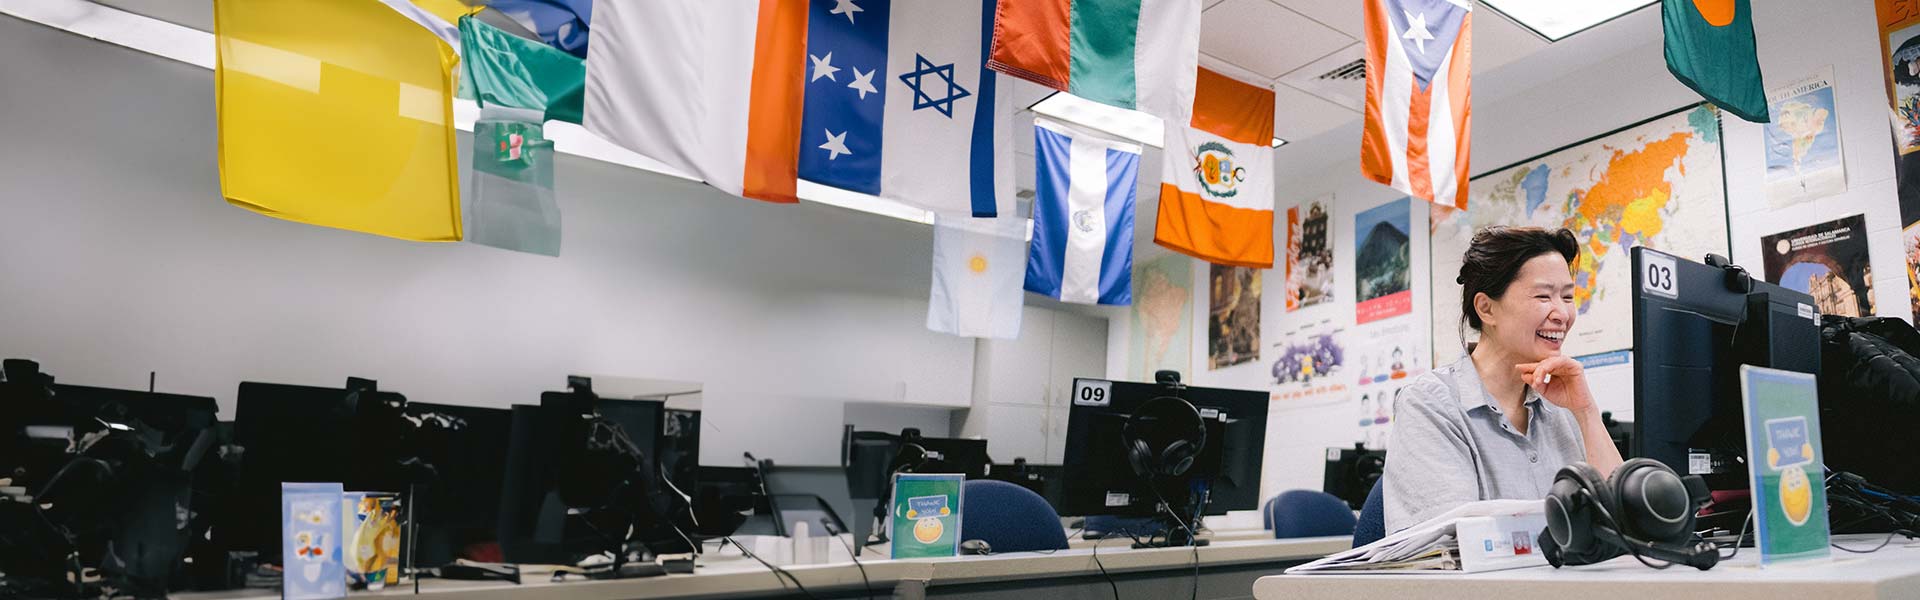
(1434, 546)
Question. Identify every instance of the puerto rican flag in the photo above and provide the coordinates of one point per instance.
(1419, 109)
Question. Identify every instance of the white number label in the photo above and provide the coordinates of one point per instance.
(1656, 275)
(1092, 392)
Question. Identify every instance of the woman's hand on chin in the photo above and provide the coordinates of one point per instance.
(1560, 380)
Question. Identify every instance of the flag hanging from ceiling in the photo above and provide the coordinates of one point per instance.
(1216, 176)
(1085, 184)
(977, 270)
(357, 136)
(898, 105)
(563, 24)
(1419, 112)
(855, 94)
(1134, 54)
(511, 204)
(503, 69)
(1710, 48)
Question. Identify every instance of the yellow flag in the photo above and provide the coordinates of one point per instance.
(337, 113)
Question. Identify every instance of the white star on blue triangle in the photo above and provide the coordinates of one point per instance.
(921, 99)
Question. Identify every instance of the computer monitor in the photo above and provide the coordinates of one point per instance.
(551, 479)
(1225, 475)
(458, 512)
(792, 494)
(1351, 473)
(1693, 326)
(296, 433)
(871, 458)
(147, 535)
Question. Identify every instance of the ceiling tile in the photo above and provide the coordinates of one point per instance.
(1298, 115)
(1498, 41)
(1265, 38)
(1343, 15)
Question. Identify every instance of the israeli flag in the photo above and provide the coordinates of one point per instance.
(1082, 248)
(899, 104)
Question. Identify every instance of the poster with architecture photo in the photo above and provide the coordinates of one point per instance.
(1309, 255)
(1827, 261)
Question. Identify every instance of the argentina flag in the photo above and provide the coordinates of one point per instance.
(1085, 184)
(899, 104)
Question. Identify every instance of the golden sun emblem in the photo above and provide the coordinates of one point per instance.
(977, 264)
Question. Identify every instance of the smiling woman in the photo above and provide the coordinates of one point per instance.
(1501, 421)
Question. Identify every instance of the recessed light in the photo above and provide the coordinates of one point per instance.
(1133, 125)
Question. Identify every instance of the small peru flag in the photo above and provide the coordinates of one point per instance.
(1419, 117)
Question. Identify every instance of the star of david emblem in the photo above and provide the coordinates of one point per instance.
(921, 99)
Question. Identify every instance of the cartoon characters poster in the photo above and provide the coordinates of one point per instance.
(1385, 357)
(1310, 363)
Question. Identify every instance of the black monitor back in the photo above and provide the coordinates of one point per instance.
(165, 412)
(1690, 338)
(467, 446)
(296, 433)
(1351, 473)
(529, 496)
(1100, 481)
(533, 524)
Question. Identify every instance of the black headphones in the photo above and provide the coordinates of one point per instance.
(1644, 509)
(1160, 418)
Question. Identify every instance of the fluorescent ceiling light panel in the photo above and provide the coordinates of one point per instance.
(195, 47)
(1557, 19)
(1130, 124)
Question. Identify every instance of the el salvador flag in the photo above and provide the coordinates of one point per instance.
(899, 104)
(1082, 247)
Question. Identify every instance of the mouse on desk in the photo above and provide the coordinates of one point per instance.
(976, 547)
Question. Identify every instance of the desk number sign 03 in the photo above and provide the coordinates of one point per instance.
(1784, 457)
(926, 515)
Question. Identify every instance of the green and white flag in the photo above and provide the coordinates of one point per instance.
(1710, 48)
(501, 69)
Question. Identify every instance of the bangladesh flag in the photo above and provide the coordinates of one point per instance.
(1710, 48)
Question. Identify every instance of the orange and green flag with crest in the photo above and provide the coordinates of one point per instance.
(1710, 48)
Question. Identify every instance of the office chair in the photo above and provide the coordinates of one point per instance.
(1009, 518)
(1309, 513)
(1373, 518)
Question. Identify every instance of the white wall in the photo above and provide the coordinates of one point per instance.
(119, 257)
(1592, 83)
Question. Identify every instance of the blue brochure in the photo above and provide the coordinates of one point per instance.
(310, 541)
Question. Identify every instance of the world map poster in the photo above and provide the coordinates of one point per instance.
(1659, 183)
(1162, 317)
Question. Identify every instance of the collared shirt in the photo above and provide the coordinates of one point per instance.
(1451, 445)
